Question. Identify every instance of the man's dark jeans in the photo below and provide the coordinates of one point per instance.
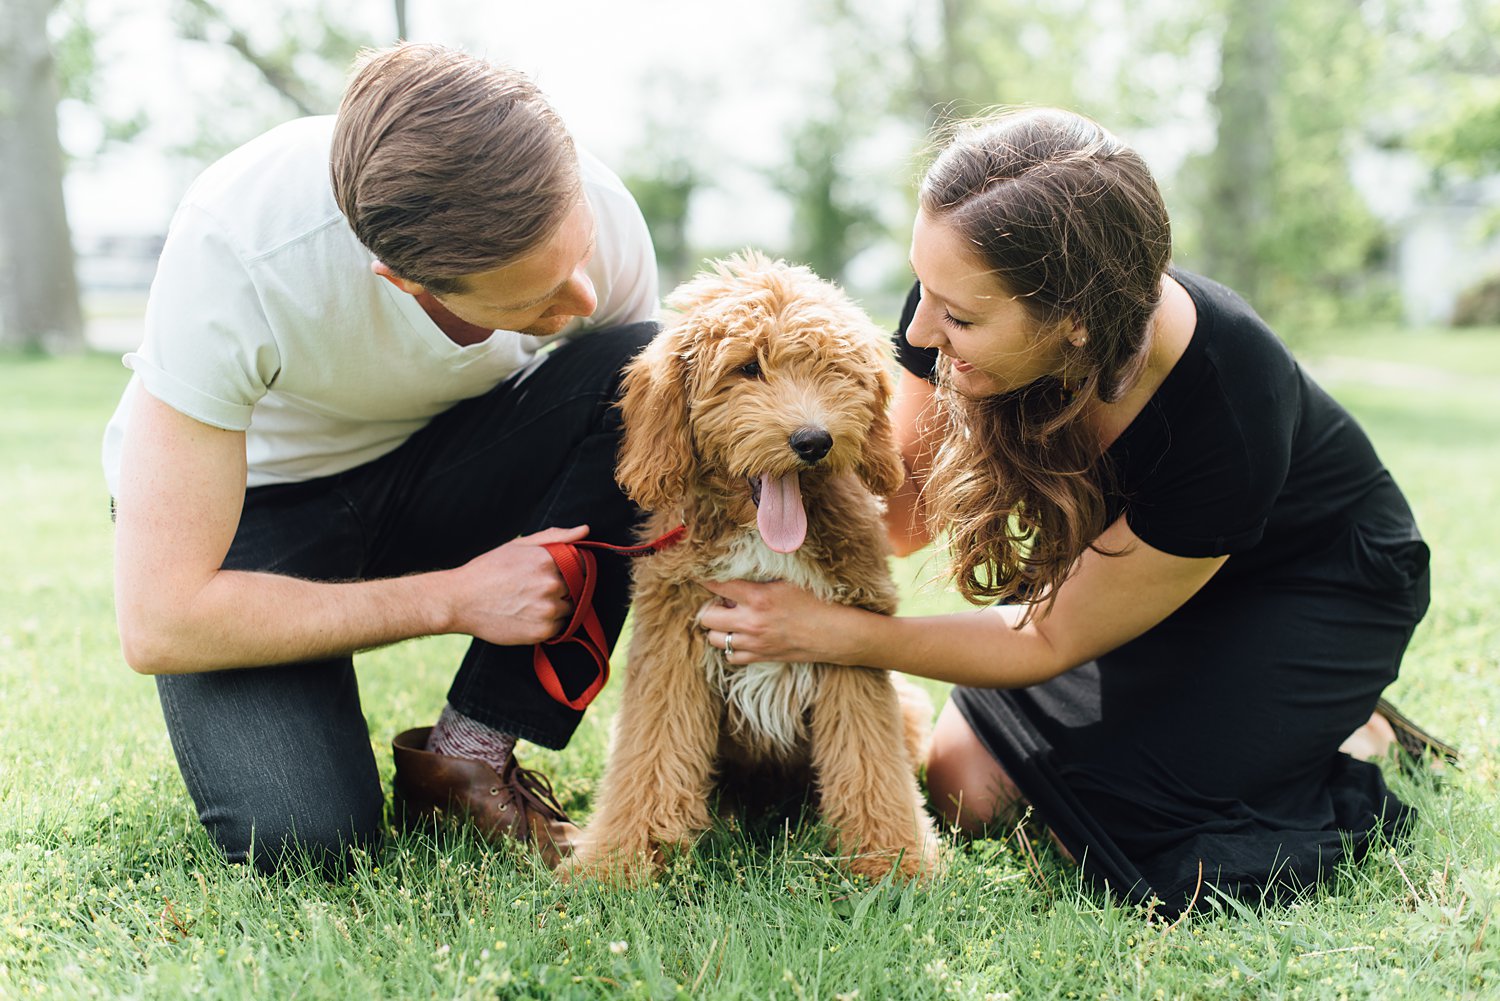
(281, 755)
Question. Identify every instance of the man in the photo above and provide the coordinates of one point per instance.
(341, 434)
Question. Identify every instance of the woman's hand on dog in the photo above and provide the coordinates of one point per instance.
(776, 621)
(512, 595)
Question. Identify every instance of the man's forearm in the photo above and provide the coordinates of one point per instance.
(242, 619)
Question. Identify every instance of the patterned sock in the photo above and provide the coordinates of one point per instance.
(459, 736)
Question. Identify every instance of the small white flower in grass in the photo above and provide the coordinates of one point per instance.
(619, 948)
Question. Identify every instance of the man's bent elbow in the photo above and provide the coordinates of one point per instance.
(150, 649)
(143, 656)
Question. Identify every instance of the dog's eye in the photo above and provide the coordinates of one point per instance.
(750, 370)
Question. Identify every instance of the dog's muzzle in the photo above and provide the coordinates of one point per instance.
(810, 443)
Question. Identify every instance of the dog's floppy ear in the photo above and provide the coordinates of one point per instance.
(657, 452)
(880, 465)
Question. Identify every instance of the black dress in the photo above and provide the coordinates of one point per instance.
(1213, 738)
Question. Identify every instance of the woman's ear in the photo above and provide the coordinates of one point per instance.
(656, 454)
(1077, 334)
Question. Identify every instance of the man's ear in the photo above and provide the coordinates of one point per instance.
(405, 285)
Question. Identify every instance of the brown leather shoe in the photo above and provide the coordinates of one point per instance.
(516, 804)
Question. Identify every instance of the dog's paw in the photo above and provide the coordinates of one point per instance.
(920, 861)
(620, 866)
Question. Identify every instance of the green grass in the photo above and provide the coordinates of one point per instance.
(109, 888)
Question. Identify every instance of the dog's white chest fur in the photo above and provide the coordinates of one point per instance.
(772, 699)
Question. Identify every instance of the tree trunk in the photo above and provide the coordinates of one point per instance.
(39, 299)
(1240, 169)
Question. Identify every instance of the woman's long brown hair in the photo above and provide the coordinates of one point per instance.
(1070, 223)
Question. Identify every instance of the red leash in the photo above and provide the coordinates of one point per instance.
(579, 571)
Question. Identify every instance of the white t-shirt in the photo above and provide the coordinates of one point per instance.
(265, 317)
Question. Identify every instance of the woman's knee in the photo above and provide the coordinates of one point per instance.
(968, 787)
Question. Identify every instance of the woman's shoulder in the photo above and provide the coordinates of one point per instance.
(1205, 460)
(1235, 364)
(1231, 329)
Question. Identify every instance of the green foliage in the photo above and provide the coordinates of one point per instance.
(1274, 204)
(831, 221)
(76, 29)
(1459, 107)
(73, 50)
(834, 214)
(665, 196)
(968, 55)
(287, 60)
(109, 886)
(301, 51)
(666, 169)
(1466, 139)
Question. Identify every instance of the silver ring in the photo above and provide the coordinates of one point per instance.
(729, 644)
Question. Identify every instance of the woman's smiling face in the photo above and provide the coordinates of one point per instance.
(994, 344)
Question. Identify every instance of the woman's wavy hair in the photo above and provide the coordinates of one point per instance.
(1071, 223)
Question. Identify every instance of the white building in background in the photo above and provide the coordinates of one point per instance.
(1446, 245)
(1446, 241)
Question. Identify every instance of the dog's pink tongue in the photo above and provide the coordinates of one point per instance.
(781, 519)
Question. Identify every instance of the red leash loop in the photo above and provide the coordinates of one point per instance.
(580, 571)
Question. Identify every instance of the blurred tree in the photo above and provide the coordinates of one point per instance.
(1326, 254)
(292, 56)
(39, 298)
(303, 59)
(835, 199)
(916, 67)
(76, 28)
(668, 167)
(665, 195)
(1240, 182)
(1467, 139)
(832, 220)
(1459, 133)
(1277, 212)
(964, 56)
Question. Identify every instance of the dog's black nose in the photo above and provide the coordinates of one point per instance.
(811, 443)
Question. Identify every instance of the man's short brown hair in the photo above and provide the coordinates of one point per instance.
(447, 165)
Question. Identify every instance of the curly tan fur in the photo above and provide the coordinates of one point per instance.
(698, 425)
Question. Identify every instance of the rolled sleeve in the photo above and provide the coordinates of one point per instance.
(208, 350)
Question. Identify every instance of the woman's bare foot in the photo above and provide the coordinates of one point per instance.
(1371, 742)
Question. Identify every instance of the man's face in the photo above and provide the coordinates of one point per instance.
(539, 293)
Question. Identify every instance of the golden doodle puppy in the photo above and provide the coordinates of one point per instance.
(757, 419)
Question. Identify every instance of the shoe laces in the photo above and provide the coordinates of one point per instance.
(534, 791)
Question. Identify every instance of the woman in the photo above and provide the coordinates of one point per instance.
(1205, 577)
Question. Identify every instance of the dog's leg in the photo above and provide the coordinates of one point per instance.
(660, 769)
(916, 718)
(866, 779)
